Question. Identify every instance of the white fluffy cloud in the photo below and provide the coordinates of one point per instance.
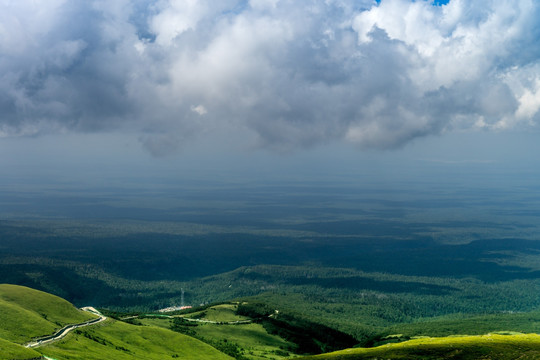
(282, 73)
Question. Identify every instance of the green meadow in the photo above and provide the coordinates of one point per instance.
(490, 346)
(118, 340)
(218, 313)
(253, 339)
(27, 313)
(11, 351)
(527, 322)
(249, 341)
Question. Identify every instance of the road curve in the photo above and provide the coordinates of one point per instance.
(66, 329)
(236, 322)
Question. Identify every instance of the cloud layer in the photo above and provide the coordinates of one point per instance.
(281, 74)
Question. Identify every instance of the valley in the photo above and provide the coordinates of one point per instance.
(268, 278)
(251, 330)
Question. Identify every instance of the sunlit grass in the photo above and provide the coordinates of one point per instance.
(118, 340)
(219, 313)
(253, 339)
(11, 351)
(490, 346)
(26, 313)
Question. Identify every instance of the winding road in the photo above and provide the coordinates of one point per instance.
(66, 329)
(236, 322)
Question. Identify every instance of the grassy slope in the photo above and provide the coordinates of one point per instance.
(11, 351)
(253, 338)
(118, 340)
(491, 346)
(222, 312)
(26, 313)
(528, 322)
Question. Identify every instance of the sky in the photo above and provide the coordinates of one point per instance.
(282, 86)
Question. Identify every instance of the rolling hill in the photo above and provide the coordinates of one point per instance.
(26, 313)
(490, 346)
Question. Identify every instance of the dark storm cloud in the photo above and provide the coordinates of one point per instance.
(276, 73)
(62, 68)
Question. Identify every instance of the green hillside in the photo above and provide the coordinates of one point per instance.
(491, 346)
(248, 340)
(26, 313)
(528, 322)
(11, 351)
(118, 340)
(219, 313)
(253, 330)
(263, 333)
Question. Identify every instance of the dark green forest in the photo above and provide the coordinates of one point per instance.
(354, 258)
(352, 284)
